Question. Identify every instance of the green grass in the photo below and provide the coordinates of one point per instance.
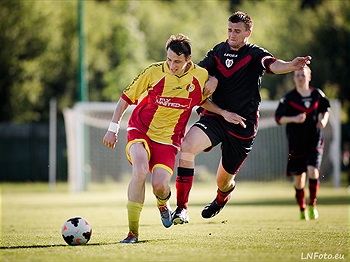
(260, 223)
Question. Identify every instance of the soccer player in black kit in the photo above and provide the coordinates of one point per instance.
(238, 67)
(305, 112)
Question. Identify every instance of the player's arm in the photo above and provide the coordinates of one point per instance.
(279, 66)
(322, 120)
(298, 119)
(210, 86)
(111, 136)
(229, 116)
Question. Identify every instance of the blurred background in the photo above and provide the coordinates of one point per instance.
(56, 53)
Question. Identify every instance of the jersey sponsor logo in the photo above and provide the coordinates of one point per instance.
(230, 55)
(174, 102)
(229, 62)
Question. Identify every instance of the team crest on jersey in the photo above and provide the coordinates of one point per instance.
(190, 88)
(307, 104)
(229, 62)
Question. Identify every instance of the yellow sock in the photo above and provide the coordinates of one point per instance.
(162, 202)
(134, 211)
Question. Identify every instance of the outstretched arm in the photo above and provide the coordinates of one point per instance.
(282, 67)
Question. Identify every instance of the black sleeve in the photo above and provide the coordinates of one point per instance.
(281, 109)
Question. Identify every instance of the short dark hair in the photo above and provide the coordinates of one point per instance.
(242, 17)
(180, 44)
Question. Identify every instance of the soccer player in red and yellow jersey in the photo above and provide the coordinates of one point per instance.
(157, 125)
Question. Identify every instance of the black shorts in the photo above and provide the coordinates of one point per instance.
(234, 149)
(297, 163)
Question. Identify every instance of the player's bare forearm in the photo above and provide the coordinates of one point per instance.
(282, 67)
(229, 116)
(210, 86)
(323, 120)
(293, 119)
(111, 136)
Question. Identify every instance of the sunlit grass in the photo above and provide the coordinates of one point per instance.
(260, 223)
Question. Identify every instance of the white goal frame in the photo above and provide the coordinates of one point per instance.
(78, 144)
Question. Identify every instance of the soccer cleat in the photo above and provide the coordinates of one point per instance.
(180, 216)
(303, 215)
(313, 213)
(130, 239)
(212, 209)
(165, 214)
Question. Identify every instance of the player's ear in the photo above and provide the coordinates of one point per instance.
(249, 32)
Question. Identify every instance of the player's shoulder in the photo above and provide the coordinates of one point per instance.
(199, 71)
(255, 49)
(318, 91)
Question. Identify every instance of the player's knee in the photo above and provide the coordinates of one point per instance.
(160, 189)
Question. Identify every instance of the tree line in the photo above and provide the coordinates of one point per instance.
(39, 45)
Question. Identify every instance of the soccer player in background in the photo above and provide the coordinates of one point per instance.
(157, 125)
(305, 112)
(238, 66)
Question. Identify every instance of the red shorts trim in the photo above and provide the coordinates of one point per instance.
(159, 155)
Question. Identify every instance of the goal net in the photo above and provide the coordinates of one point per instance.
(90, 161)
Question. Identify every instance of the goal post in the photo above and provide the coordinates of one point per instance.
(90, 161)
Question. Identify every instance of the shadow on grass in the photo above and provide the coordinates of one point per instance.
(328, 200)
(64, 245)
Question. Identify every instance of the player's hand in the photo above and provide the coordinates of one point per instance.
(321, 121)
(110, 139)
(299, 63)
(299, 119)
(234, 118)
(210, 86)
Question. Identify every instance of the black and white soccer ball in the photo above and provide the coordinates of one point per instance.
(76, 231)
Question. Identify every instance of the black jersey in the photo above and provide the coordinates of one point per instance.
(304, 136)
(239, 74)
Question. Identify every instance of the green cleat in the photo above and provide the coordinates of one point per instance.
(303, 215)
(313, 213)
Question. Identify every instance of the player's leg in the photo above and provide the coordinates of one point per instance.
(313, 168)
(226, 184)
(194, 142)
(296, 168)
(234, 153)
(162, 164)
(314, 183)
(138, 156)
(299, 181)
(161, 189)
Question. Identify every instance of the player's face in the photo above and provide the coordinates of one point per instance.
(237, 35)
(178, 64)
(301, 78)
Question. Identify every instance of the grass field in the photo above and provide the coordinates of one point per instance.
(260, 223)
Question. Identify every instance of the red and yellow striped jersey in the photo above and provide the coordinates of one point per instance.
(165, 110)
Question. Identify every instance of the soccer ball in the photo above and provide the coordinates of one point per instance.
(76, 231)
